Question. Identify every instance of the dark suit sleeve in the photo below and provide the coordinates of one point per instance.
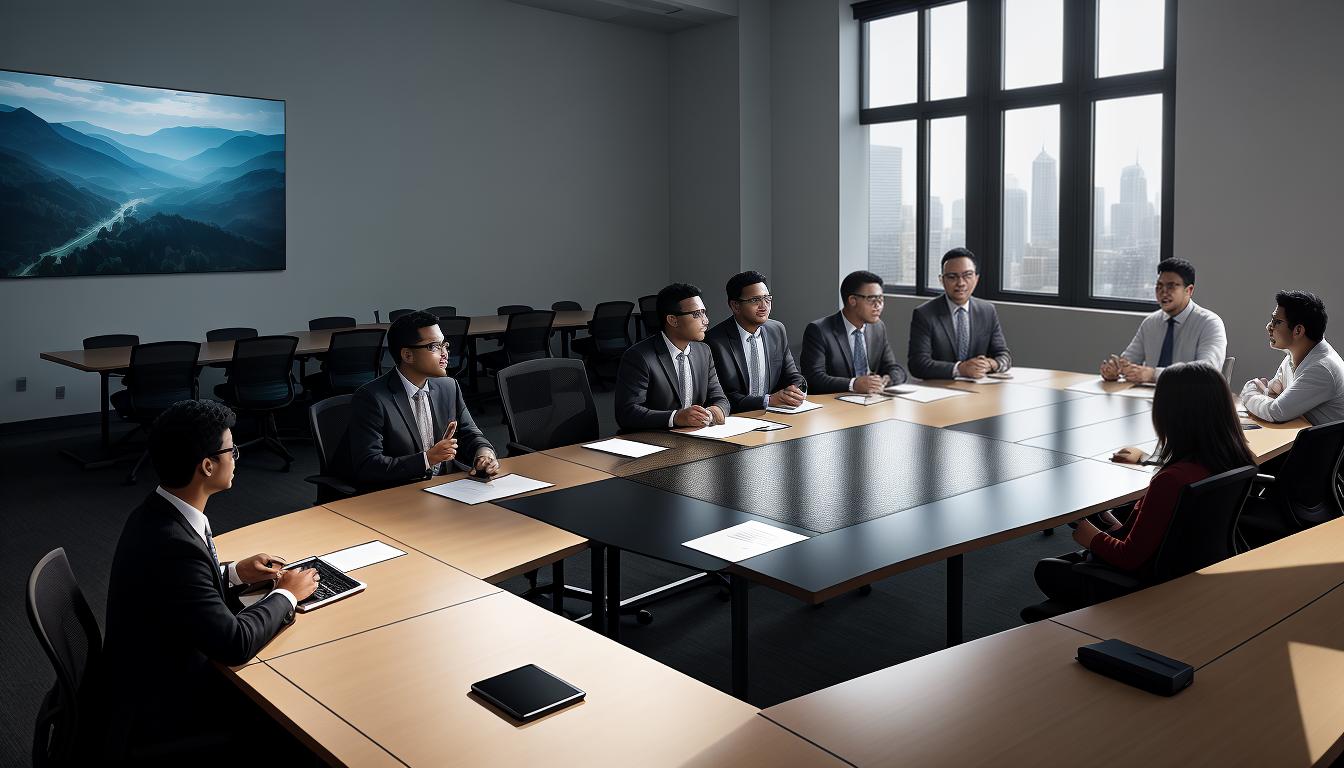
(632, 390)
(210, 627)
(998, 345)
(470, 439)
(371, 466)
(920, 355)
(713, 392)
(813, 362)
(892, 369)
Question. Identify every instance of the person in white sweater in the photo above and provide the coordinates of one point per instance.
(1310, 380)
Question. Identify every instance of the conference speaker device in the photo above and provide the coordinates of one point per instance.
(1137, 666)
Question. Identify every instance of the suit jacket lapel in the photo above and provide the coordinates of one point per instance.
(840, 327)
(194, 537)
(404, 407)
(669, 369)
(735, 346)
(945, 314)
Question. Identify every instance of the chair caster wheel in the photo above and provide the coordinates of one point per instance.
(644, 617)
(723, 596)
(865, 590)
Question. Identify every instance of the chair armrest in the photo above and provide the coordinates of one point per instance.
(1263, 479)
(518, 449)
(1107, 575)
(333, 483)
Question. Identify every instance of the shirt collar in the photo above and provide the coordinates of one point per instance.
(672, 348)
(953, 306)
(194, 517)
(850, 328)
(742, 332)
(1317, 352)
(411, 389)
(1184, 314)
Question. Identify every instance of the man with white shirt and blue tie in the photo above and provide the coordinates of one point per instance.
(1180, 331)
(751, 351)
(1310, 380)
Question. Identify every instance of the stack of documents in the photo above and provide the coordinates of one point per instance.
(742, 541)
(732, 427)
(629, 448)
(803, 407)
(470, 491)
(930, 394)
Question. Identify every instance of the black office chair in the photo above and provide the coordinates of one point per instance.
(329, 323)
(567, 306)
(527, 337)
(455, 334)
(109, 340)
(1304, 492)
(353, 359)
(69, 634)
(442, 311)
(648, 315)
(261, 382)
(548, 404)
(1229, 365)
(396, 313)
(329, 420)
(512, 309)
(1202, 531)
(608, 338)
(161, 374)
(228, 334)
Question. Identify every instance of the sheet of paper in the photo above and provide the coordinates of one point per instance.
(631, 448)
(472, 492)
(1099, 386)
(982, 380)
(1139, 391)
(361, 555)
(865, 399)
(807, 405)
(899, 389)
(742, 541)
(930, 394)
(732, 427)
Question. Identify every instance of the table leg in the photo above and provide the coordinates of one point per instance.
(954, 600)
(598, 555)
(614, 593)
(564, 342)
(558, 586)
(737, 586)
(105, 418)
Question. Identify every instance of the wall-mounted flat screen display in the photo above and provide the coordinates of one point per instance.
(106, 179)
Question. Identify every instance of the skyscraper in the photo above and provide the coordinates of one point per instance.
(936, 239)
(1099, 212)
(1044, 200)
(1014, 233)
(957, 238)
(886, 221)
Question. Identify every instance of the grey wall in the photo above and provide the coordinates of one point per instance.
(474, 153)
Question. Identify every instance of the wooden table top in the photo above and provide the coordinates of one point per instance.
(636, 709)
(484, 540)
(397, 589)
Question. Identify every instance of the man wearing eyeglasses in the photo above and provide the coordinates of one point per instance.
(848, 351)
(412, 422)
(751, 351)
(173, 607)
(1180, 331)
(669, 380)
(953, 336)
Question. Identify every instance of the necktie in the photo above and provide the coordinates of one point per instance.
(684, 378)
(210, 544)
(963, 336)
(1168, 341)
(425, 423)
(754, 366)
(860, 354)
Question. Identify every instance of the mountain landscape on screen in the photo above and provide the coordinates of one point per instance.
(100, 179)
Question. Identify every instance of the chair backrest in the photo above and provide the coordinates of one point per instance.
(230, 334)
(161, 373)
(1306, 481)
(394, 314)
(1203, 528)
(512, 309)
(648, 314)
(567, 306)
(354, 358)
(455, 333)
(528, 335)
(610, 326)
(1229, 364)
(261, 371)
(442, 311)
(327, 323)
(68, 632)
(111, 340)
(548, 403)
(329, 420)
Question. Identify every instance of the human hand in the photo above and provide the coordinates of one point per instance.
(788, 397)
(1112, 522)
(299, 582)
(1138, 374)
(1128, 456)
(258, 568)
(694, 416)
(717, 414)
(1110, 368)
(445, 449)
(975, 368)
(1274, 388)
(867, 385)
(486, 464)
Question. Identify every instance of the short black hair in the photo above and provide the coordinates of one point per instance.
(185, 433)
(741, 280)
(1304, 309)
(670, 298)
(405, 332)
(853, 280)
(959, 253)
(1181, 267)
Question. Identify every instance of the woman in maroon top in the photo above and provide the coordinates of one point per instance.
(1198, 435)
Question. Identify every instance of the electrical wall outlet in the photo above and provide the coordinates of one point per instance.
(21, 384)
(60, 393)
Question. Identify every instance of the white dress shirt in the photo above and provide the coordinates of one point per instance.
(673, 351)
(1199, 336)
(196, 519)
(760, 351)
(1314, 389)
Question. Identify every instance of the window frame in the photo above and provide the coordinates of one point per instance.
(985, 103)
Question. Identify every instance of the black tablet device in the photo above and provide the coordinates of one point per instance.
(527, 692)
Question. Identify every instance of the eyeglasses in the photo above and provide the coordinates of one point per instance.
(876, 300)
(698, 314)
(756, 301)
(952, 277)
(436, 348)
(235, 450)
(1170, 286)
(1273, 321)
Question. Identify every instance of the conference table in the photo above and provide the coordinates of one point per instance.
(108, 361)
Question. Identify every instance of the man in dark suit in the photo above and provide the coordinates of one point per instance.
(668, 380)
(953, 335)
(408, 423)
(751, 351)
(848, 351)
(172, 607)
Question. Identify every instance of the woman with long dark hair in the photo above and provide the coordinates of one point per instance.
(1198, 436)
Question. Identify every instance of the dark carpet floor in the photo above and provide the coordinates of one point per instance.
(48, 502)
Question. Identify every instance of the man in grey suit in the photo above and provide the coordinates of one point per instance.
(848, 351)
(751, 351)
(953, 335)
(406, 424)
(669, 380)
